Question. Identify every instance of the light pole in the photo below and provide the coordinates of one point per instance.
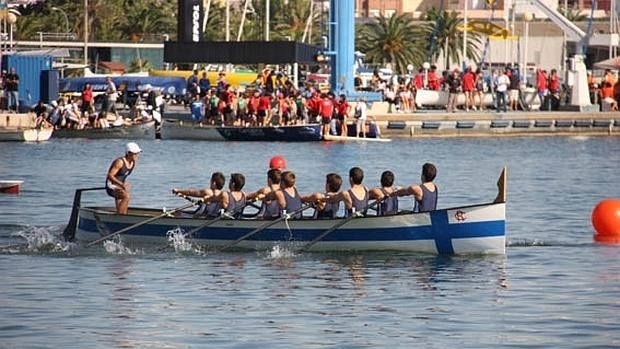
(527, 18)
(85, 32)
(65, 15)
(426, 67)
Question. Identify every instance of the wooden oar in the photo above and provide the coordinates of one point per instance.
(307, 246)
(265, 226)
(69, 232)
(139, 224)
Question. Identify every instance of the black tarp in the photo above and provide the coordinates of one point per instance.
(241, 52)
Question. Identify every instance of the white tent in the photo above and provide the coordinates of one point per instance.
(612, 63)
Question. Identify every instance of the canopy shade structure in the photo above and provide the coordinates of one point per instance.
(240, 52)
(612, 63)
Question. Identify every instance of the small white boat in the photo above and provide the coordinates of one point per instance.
(432, 98)
(25, 134)
(10, 186)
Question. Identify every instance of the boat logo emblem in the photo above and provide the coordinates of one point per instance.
(460, 216)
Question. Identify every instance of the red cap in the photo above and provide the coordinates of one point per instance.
(277, 162)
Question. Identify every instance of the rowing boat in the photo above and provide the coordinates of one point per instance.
(144, 130)
(471, 229)
(179, 129)
(25, 134)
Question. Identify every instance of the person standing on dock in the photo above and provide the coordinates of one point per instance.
(116, 181)
(501, 87)
(11, 83)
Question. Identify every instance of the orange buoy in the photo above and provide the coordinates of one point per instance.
(606, 221)
(277, 162)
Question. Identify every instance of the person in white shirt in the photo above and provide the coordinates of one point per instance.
(360, 113)
(501, 87)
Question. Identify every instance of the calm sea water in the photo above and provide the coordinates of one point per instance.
(554, 288)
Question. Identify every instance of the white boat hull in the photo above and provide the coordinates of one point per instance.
(478, 229)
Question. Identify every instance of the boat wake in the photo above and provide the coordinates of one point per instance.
(39, 240)
(543, 243)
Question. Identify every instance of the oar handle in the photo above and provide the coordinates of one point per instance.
(124, 230)
(307, 246)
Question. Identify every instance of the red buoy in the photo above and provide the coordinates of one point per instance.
(606, 221)
(277, 162)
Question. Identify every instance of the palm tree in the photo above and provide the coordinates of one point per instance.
(395, 40)
(292, 22)
(446, 38)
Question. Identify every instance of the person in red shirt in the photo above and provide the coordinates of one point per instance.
(87, 99)
(541, 86)
(326, 110)
(284, 109)
(342, 109)
(263, 109)
(433, 80)
(418, 80)
(313, 106)
(253, 108)
(468, 84)
(554, 90)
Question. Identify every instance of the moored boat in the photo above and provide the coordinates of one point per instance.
(188, 130)
(25, 134)
(10, 186)
(177, 129)
(144, 130)
(471, 229)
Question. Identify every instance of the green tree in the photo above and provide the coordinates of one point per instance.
(396, 40)
(446, 38)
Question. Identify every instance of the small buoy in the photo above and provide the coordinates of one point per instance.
(606, 221)
(277, 162)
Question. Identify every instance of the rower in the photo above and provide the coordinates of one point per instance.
(234, 200)
(270, 209)
(425, 193)
(116, 184)
(356, 198)
(322, 208)
(206, 209)
(388, 204)
(288, 197)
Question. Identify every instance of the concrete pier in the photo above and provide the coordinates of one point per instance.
(431, 123)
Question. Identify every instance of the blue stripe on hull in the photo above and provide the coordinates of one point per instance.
(440, 231)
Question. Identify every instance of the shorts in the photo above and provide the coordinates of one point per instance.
(326, 120)
(514, 95)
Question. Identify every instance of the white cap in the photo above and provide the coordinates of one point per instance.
(54, 104)
(133, 148)
(148, 86)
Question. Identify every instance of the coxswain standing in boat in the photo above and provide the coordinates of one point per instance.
(322, 208)
(425, 193)
(388, 204)
(116, 181)
(206, 209)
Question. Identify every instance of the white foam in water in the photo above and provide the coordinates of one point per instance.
(278, 252)
(180, 241)
(117, 247)
(40, 239)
